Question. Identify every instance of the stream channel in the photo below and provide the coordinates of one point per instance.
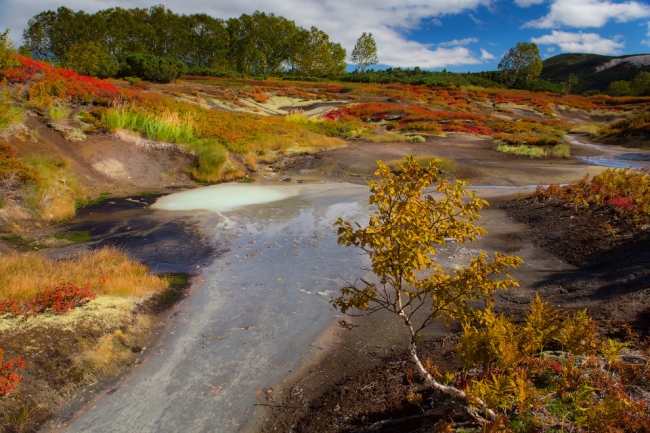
(253, 312)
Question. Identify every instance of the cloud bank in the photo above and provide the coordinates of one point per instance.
(587, 13)
(581, 43)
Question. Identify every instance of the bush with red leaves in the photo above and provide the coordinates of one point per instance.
(8, 376)
(58, 300)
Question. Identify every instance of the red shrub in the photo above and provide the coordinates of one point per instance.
(620, 202)
(8, 378)
(58, 300)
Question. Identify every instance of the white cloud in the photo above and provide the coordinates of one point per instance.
(389, 21)
(647, 41)
(590, 13)
(486, 56)
(528, 3)
(436, 22)
(458, 42)
(582, 43)
(550, 49)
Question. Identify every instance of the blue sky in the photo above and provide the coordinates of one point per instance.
(458, 35)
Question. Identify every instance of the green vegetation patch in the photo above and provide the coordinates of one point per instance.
(74, 236)
(24, 244)
(88, 201)
(558, 151)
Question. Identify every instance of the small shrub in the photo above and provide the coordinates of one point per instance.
(91, 58)
(57, 300)
(8, 376)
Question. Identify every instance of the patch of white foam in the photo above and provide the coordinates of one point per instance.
(224, 197)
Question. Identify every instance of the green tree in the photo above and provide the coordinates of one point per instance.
(7, 51)
(400, 240)
(152, 68)
(261, 43)
(364, 53)
(90, 58)
(641, 84)
(317, 56)
(619, 88)
(524, 59)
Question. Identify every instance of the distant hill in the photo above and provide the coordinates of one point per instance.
(595, 72)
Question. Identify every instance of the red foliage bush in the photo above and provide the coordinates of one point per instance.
(58, 300)
(620, 202)
(8, 377)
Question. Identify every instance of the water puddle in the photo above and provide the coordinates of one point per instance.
(224, 197)
(613, 158)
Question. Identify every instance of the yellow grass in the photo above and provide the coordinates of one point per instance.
(108, 271)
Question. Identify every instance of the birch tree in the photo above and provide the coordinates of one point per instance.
(401, 240)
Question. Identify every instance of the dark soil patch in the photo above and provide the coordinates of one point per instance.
(574, 237)
(387, 389)
(611, 278)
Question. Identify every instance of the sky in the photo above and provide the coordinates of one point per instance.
(457, 35)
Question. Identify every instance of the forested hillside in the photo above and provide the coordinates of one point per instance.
(560, 68)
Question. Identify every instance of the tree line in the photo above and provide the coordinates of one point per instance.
(258, 44)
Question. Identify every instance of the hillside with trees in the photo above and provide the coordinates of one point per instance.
(559, 69)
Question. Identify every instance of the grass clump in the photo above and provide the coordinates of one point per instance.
(561, 151)
(415, 139)
(59, 112)
(107, 271)
(56, 196)
(212, 157)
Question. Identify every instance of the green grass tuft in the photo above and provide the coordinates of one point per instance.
(59, 112)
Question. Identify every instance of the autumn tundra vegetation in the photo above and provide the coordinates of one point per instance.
(232, 96)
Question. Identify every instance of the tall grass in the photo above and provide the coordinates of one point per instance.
(55, 198)
(107, 271)
(59, 112)
(168, 126)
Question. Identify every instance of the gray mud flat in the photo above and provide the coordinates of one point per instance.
(247, 323)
